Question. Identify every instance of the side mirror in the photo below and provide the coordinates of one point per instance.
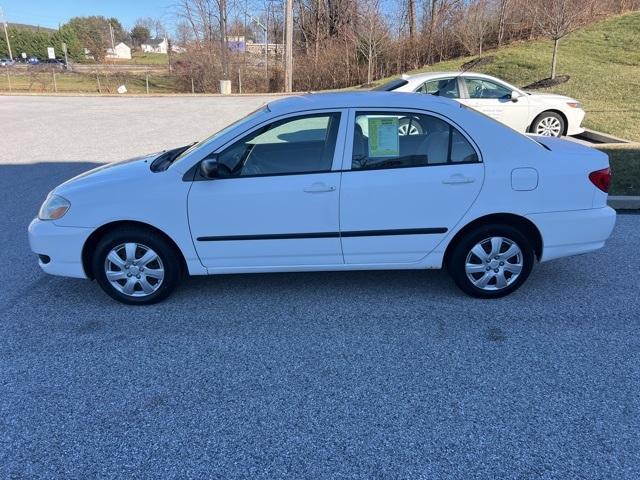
(209, 168)
(514, 96)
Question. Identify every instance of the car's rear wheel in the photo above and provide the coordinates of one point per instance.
(491, 261)
(548, 124)
(136, 266)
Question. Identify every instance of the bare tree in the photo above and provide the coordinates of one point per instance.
(371, 35)
(503, 6)
(557, 18)
(473, 25)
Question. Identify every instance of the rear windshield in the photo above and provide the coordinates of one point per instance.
(392, 85)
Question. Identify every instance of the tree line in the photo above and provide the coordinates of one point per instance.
(93, 33)
(340, 43)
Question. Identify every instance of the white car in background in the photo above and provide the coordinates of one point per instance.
(545, 114)
(301, 185)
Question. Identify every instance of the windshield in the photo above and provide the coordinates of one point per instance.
(197, 146)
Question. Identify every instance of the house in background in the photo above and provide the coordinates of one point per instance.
(121, 52)
(155, 45)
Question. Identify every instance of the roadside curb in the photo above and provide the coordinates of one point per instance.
(621, 202)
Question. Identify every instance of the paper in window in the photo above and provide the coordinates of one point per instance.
(384, 137)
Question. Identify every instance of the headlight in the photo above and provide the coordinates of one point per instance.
(574, 104)
(53, 208)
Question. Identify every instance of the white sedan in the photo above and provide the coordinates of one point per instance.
(300, 185)
(545, 114)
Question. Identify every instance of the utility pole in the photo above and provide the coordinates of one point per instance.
(288, 49)
(113, 44)
(6, 35)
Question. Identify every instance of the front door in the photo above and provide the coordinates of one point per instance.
(274, 202)
(494, 100)
(401, 193)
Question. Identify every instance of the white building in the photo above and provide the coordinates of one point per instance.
(121, 52)
(155, 45)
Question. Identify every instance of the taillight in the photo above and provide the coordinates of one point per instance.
(601, 179)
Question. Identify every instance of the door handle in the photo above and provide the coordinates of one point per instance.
(457, 179)
(319, 187)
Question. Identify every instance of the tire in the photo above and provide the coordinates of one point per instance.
(549, 124)
(133, 282)
(496, 277)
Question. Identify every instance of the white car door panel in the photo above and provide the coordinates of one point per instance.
(409, 210)
(266, 221)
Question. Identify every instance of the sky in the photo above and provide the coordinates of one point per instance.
(52, 13)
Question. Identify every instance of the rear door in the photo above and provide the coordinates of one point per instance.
(275, 200)
(401, 194)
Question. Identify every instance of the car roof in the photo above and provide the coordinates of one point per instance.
(367, 99)
(429, 75)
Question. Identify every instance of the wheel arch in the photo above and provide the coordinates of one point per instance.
(526, 226)
(98, 233)
(552, 110)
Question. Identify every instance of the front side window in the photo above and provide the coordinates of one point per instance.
(443, 87)
(479, 88)
(295, 145)
(395, 140)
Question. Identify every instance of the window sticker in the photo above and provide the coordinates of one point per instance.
(384, 137)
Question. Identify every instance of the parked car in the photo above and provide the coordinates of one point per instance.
(33, 60)
(545, 114)
(298, 185)
(6, 62)
(51, 64)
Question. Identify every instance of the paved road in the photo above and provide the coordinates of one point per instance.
(325, 375)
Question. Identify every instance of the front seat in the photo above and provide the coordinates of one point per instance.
(360, 148)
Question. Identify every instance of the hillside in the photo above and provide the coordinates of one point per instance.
(603, 61)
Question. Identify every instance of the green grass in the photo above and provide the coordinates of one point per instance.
(625, 164)
(603, 61)
(69, 82)
(140, 58)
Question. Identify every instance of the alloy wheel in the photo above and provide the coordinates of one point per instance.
(549, 127)
(408, 129)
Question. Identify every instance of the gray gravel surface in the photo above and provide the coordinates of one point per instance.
(322, 375)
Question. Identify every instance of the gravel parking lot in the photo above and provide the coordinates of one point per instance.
(320, 375)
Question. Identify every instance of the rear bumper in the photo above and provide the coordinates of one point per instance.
(573, 232)
(59, 248)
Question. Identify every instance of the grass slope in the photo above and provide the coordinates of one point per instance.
(603, 61)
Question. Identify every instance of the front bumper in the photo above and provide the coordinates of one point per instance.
(62, 246)
(573, 232)
(574, 121)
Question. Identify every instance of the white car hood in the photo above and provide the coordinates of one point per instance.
(109, 173)
(550, 97)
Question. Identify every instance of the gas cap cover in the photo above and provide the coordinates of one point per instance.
(524, 179)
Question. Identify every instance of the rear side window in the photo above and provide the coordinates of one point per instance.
(443, 87)
(303, 144)
(396, 140)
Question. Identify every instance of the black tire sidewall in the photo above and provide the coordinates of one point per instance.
(457, 260)
(544, 115)
(172, 270)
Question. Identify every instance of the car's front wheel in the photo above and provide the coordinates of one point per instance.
(491, 261)
(548, 124)
(136, 266)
